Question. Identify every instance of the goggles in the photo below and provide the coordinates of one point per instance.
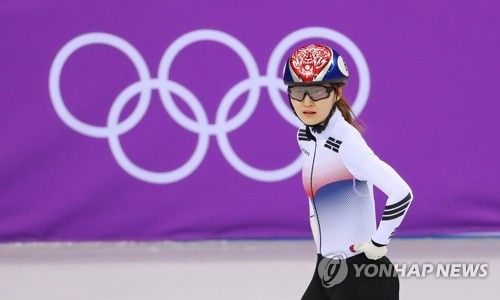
(315, 92)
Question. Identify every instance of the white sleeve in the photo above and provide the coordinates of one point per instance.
(366, 166)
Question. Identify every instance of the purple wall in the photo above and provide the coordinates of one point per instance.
(131, 120)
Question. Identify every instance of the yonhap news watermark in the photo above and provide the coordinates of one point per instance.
(443, 270)
(334, 269)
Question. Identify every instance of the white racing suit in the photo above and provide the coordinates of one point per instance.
(338, 175)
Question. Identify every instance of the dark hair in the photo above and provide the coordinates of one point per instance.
(346, 110)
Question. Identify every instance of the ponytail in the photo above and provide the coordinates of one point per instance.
(346, 111)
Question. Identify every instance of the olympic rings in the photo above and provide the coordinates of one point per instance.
(200, 125)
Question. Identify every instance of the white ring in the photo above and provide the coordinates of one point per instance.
(149, 176)
(207, 35)
(225, 146)
(55, 80)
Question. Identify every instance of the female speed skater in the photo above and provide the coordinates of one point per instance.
(338, 175)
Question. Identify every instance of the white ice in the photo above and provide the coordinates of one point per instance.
(242, 270)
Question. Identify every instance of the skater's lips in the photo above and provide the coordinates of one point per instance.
(308, 112)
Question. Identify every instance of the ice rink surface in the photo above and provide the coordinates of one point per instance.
(219, 270)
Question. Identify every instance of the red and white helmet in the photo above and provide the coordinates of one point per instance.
(315, 64)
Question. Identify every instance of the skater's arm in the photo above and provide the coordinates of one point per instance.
(365, 165)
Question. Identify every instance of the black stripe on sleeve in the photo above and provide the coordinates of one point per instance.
(407, 198)
(396, 210)
(377, 244)
(387, 218)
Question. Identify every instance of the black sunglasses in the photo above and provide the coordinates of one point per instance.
(315, 92)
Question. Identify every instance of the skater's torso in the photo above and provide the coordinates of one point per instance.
(343, 205)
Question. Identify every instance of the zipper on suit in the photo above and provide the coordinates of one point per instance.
(313, 138)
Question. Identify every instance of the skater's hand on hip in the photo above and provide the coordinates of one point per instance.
(371, 251)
